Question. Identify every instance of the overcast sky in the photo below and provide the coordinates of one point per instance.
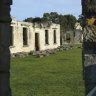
(22, 9)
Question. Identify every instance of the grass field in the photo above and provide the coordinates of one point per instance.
(57, 75)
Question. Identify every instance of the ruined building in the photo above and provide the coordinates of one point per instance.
(74, 36)
(26, 37)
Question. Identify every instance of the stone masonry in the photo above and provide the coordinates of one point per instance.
(36, 37)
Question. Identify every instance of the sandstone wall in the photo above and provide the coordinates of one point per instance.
(17, 34)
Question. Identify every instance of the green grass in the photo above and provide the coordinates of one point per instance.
(57, 75)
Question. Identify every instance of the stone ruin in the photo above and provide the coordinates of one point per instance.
(26, 37)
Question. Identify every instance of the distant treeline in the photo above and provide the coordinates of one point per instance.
(67, 22)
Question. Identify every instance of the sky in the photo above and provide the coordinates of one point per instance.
(22, 9)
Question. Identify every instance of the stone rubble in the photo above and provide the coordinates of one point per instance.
(43, 53)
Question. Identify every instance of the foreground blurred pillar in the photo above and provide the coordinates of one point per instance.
(89, 46)
(5, 21)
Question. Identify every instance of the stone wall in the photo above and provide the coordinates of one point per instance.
(74, 36)
(32, 29)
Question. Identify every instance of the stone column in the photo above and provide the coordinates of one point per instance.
(5, 21)
(89, 46)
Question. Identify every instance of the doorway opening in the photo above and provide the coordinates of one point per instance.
(37, 47)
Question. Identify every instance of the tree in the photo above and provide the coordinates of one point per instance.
(53, 16)
(66, 22)
(37, 19)
(30, 19)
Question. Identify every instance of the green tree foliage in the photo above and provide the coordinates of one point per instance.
(37, 19)
(53, 16)
(30, 19)
(67, 22)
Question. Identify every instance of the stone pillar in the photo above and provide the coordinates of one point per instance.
(89, 46)
(5, 21)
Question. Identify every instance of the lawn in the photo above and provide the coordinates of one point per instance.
(59, 74)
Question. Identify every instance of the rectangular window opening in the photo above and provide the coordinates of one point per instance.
(46, 37)
(54, 34)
